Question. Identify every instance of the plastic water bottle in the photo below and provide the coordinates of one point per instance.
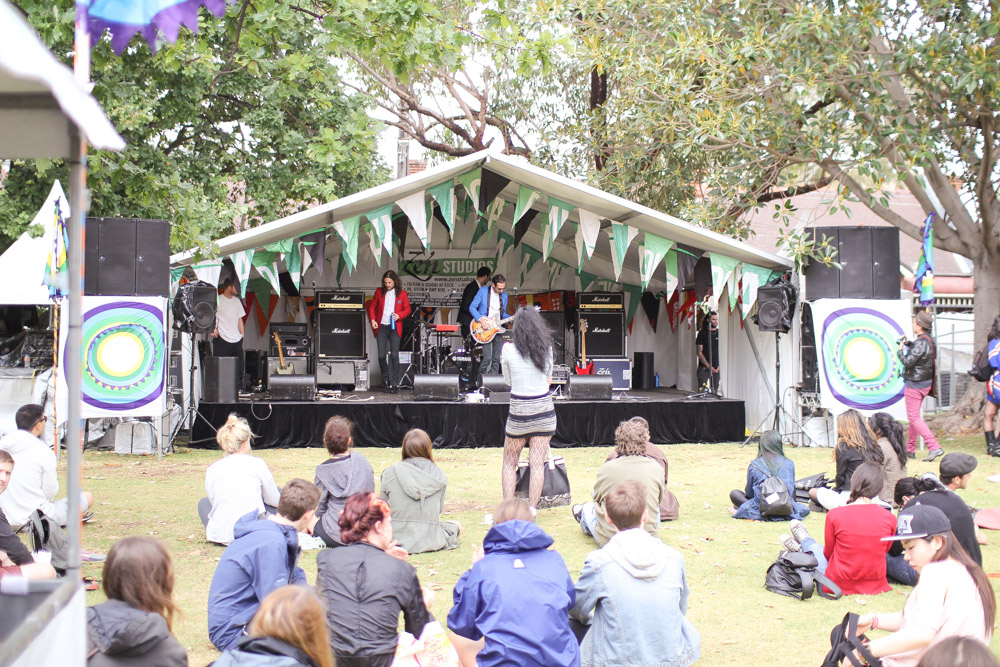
(656, 380)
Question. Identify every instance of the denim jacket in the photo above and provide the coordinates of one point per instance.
(633, 593)
(756, 476)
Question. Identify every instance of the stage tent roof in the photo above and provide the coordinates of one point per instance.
(580, 197)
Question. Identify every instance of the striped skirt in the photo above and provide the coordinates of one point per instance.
(531, 416)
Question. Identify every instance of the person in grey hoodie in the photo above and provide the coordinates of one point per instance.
(414, 489)
(132, 628)
(633, 593)
(343, 475)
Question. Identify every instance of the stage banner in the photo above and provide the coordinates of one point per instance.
(124, 356)
(437, 278)
(856, 350)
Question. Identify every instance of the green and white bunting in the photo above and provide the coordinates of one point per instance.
(293, 263)
(733, 286)
(652, 251)
(586, 279)
(471, 181)
(380, 234)
(306, 257)
(532, 256)
(753, 278)
(621, 236)
(558, 215)
(243, 261)
(444, 195)
(722, 271)
(493, 213)
(526, 198)
(208, 271)
(416, 210)
(586, 236)
(670, 264)
(266, 263)
(348, 231)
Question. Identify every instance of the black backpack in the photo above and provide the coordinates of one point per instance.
(775, 500)
(794, 574)
(981, 368)
(844, 642)
(47, 534)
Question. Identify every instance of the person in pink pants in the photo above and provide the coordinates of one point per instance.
(918, 379)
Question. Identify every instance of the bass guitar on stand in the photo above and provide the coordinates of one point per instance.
(281, 368)
(583, 368)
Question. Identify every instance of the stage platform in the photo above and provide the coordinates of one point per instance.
(381, 419)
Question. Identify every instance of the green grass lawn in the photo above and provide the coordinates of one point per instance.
(740, 622)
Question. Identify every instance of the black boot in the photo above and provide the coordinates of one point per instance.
(992, 443)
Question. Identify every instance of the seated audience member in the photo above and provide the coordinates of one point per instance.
(631, 463)
(34, 483)
(344, 474)
(889, 435)
(289, 630)
(897, 568)
(952, 597)
(366, 584)
(930, 492)
(512, 606)
(956, 470)
(854, 554)
(770, 462)
(236, 484)
(414, 489)
(134, 626)
(262, 557)
(856, 444)
(669, 507)
(959, 652)
(633, 593)
(15, 559)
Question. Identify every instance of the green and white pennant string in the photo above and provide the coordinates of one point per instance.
(471, 181)
(243, 262)
(652, 251)
(732, 286)
(558, 215)
(208, 271)
(416, 210)
(493, 213)
(380, 235)
(444, 195)
(266, 263)
(670, 264)
(621, 237)
(753, 277)
(586, 236)
(722, 270)
(526, 198)
(293, 263)
(348, 231)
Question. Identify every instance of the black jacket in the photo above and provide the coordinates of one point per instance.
(364, 589)
(962, 524)
(120, 635)
(848, 460)
(11, 545)
(264, 652)
(918, 360)
(470, 292)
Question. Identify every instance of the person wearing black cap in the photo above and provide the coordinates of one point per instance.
(931, 492)
(956, 470)
(953, 596)
(918, 382)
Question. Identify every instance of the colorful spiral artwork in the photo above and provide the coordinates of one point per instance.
(858, 358)
(123, 356)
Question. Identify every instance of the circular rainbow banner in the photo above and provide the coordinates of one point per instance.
(123, 357)
(859, 367)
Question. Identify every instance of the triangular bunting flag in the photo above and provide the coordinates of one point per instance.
(414, 208)
(266, 264)
(306, 259)
(208, 271)
(526, 198)
(282, 246)
(316, 244)
(651, 306)
(687, 257)
(243, 261)
(380, 235)
(585, 280)
(493, 213)
(348, 231)
(444, 195)
(722, 269)
(504, 242)
(521, 228)
(480, 231)
(731, 286)
(586, 236)
(670, 263)
(400, 231)
(293, 262)
(654, 248)
(558, 215)
(532, 255)
(753, 278)
(634, 294)
(492, 185)
(472, 181)
(621, 238)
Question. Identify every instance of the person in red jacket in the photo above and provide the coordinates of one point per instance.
(854, 555)
(386, 312)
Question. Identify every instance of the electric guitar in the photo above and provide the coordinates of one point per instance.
(484, 333)
(583, 368)
(281, 368)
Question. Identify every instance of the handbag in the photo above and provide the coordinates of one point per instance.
(794, 574)
(555, 488)
(844, 641)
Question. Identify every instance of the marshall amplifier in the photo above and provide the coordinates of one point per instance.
(340, 334)
(294, 339)
(605, 336)
(600, 301)
(340, 300)
(619, 370)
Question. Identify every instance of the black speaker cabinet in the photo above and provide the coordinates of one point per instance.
(127, 257)
(495, 383)
(643, 375)
(219, 379)
(807, 352)
(194, 307)
(435, 387)
(589, 387)
(605, 334)
(557, 325)
(341, 334)
(775, 307)
(292, 387)
(870, 260)
(255, 375)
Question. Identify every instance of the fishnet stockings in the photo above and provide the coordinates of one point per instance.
(537, 450)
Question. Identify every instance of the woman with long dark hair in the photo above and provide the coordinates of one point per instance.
(952, 597)
(889, 433)
(856, 444)
(386, 312)
(770, 462)
(993, 392)
(527, 367)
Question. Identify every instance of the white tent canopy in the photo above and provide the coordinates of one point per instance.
(22, 265)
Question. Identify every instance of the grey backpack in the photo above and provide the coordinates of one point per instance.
(48, 535)
(775, 500)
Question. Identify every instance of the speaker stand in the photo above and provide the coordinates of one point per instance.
(778, 410)
(192, 409)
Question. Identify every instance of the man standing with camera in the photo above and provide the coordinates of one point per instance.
(918, 379)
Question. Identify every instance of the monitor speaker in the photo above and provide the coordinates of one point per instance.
(643, 375)
(435, 387)
(340, 334)
(292, 387)
(775, 307)
(220, 379)
(589, 387)
(194, 307)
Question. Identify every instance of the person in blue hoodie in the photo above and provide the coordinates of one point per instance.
(512, 607)
(262, 557)
(489, 307)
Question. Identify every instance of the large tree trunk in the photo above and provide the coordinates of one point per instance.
(966, 416)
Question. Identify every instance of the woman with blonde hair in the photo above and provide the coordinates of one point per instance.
(288, 630)
(134, 626)
(237, 484)
(414, 489)
(856, 444)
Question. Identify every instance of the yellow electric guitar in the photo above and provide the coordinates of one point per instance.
(281, 368)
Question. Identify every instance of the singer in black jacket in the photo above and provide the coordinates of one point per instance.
(464, 315)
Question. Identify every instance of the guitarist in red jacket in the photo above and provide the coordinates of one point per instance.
(386, 312)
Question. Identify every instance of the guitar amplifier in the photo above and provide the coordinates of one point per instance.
(560, 374)
(619, 370)
(292, 387)
(600, 301)
(294, 339)
(300, 365)
(605, 335)
(335, 372)
(340, 300)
